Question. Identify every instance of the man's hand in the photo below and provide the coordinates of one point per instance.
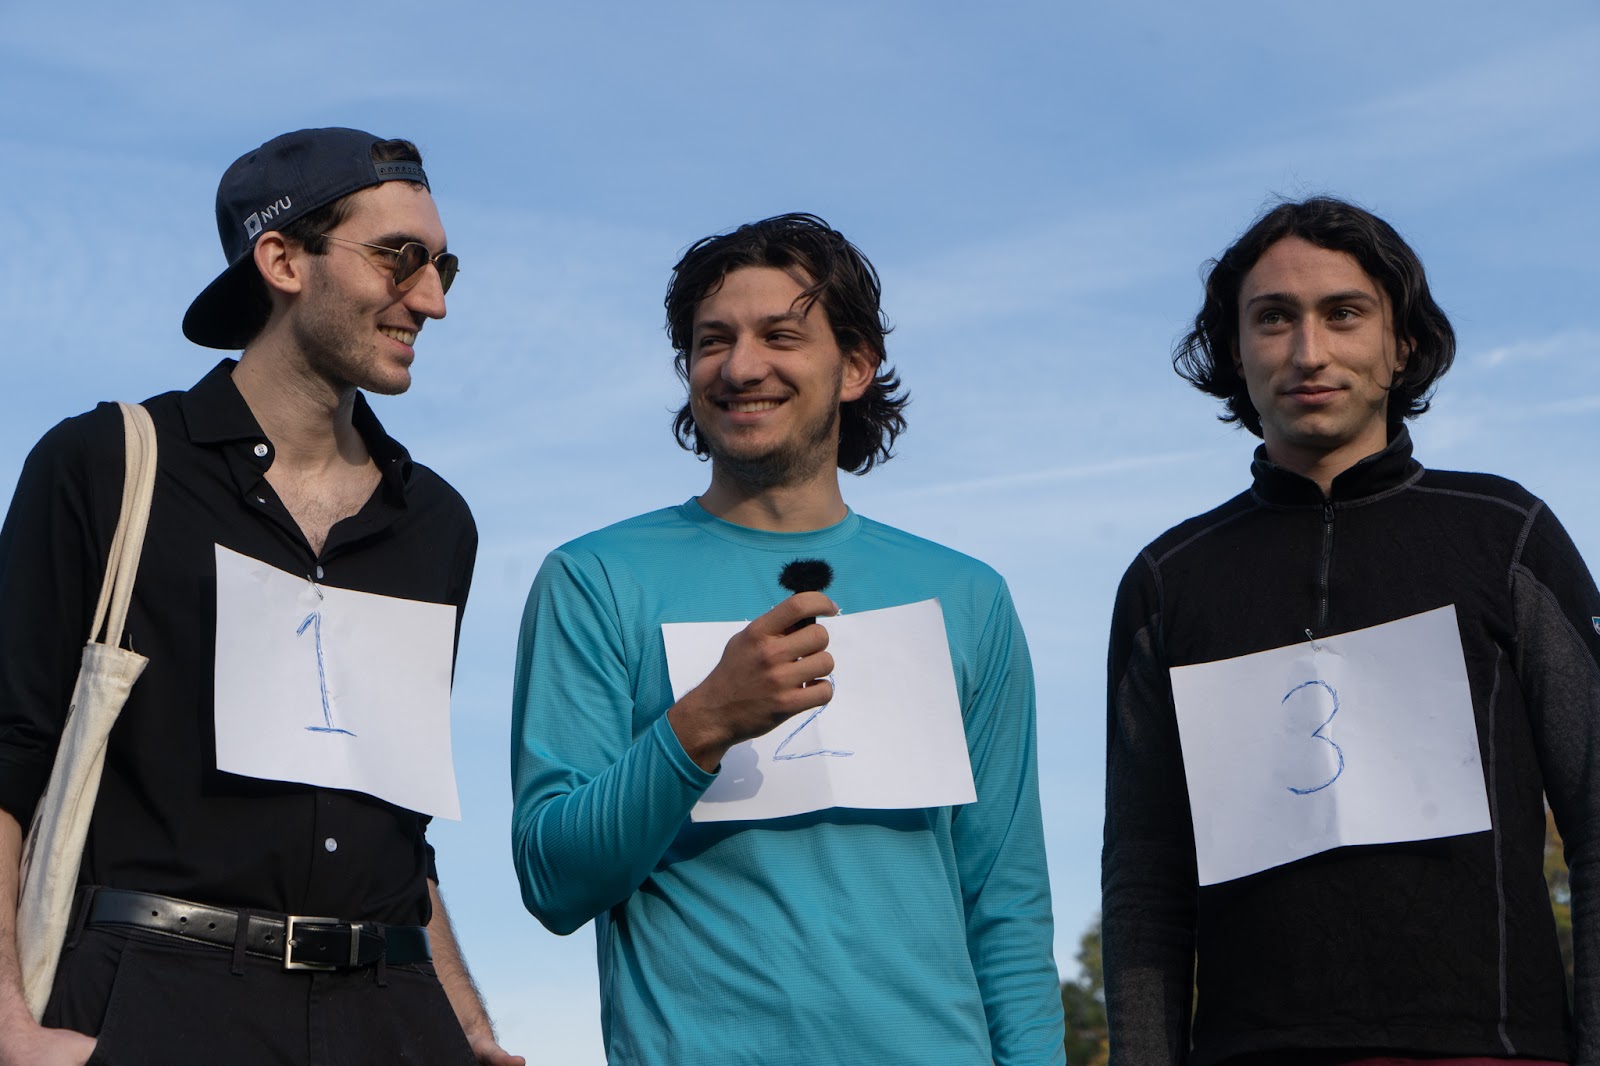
(767, 675)
(23, 1043)
(451, 969)
(490, 1053)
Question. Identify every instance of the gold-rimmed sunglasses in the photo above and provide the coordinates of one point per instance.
(409, 259)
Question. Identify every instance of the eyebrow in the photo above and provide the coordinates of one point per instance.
(1345, 297)
(768, 320)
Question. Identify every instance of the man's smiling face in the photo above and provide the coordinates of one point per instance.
(766, 378)
(1318, 353)
(350, 321)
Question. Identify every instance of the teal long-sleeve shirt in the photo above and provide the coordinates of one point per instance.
(901, 936)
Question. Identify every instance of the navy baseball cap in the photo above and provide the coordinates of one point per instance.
(266, 189)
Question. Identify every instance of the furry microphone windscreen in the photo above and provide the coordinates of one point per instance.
(806, 575)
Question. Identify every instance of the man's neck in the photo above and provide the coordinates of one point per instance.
(309, 422)
(813, 504)
(1323, 466)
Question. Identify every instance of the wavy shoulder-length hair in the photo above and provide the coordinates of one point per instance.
(834, 273)
(1205, 356)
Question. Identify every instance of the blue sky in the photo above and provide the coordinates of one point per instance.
(1037, 183)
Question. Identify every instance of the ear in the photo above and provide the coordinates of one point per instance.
(1402, 354)
(1238, 363)
(860, 367)
(280, 262)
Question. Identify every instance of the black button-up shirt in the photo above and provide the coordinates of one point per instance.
(167, 820)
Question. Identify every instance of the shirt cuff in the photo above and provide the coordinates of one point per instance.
(666, 738)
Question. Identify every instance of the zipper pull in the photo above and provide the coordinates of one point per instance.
(1327, 510)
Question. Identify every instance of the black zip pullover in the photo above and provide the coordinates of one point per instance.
(1432, 947)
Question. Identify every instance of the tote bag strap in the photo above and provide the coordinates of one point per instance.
(139, 480)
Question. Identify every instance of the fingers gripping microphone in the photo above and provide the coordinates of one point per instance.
(806, 575)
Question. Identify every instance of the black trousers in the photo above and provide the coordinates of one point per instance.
(155, 1000)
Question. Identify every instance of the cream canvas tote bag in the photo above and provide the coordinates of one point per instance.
(54, 848)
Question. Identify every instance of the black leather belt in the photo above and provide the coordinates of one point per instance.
(298, 941)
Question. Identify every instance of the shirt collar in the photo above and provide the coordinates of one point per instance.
(1377, 474)
(215, 413)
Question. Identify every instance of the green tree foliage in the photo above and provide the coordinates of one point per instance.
(1084, 1003)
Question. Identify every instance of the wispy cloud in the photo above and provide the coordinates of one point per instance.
(1079, 471)
(1568, 344)
(1510, 111)
(1526, 94)
(1574, 405)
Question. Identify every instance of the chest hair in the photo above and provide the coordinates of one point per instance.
(317, 502)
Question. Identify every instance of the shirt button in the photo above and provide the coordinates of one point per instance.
(331, 844)
(261, 451)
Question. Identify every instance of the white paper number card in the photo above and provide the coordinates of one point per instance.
(891, 739)
(1362, 738)
(332, 687)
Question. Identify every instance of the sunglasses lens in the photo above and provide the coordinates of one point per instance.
(410, 259)
(447, 265)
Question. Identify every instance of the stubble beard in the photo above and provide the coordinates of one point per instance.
(330, 341)
(790, 463)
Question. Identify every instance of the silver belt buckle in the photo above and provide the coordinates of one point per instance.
(292, 920)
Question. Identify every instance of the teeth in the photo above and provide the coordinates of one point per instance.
(750, 406)
(404, 336)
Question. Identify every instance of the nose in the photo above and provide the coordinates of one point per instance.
(746, 363)
(426, 297)
(1310, 346)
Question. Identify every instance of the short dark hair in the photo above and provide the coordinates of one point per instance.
(1205, 356)
(834, 273)
(308, 229)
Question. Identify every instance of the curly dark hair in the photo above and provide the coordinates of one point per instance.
(833, 272)
(1205, 356)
